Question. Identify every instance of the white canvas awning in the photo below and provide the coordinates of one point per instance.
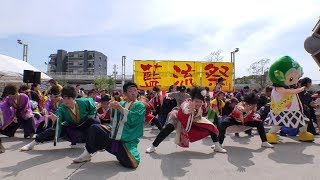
(11, 69)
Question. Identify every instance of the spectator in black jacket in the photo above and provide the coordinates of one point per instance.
(264, 97)
(306, 100)
(168, 104)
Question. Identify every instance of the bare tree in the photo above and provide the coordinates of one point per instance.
(214, 56)
(259, 70)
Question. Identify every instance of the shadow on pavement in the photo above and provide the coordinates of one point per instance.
(240, 156)
(155, 133)
(242, 139)
(172, 164)
(92, 170)
(19, 142)
(207, 141)
(292, 153)
(44, 156)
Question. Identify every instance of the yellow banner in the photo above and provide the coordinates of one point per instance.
(211, 71)
(150, 73)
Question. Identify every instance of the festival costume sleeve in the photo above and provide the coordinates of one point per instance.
(211, 115)
(59, 113)
(60, 87)
(7, 115)
(149, 116)
(48, 106)
(25, 105)
(136, 114)
(196, 128)
(92, 110)
(213, 103)
(185, 108)
(223, 104)
(133, 128)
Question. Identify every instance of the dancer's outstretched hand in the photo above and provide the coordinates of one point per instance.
(52, 116)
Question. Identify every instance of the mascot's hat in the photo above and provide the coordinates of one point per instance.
(279, 68)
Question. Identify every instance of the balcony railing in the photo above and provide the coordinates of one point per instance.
(84, 76)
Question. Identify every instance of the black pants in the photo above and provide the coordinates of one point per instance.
(169, 129)
(10, 130)
(229, 121)
(156, 122)
(41, 127)
(157, 110)
(72, 132)
(99, 138)
(311, 129)
(27, 126)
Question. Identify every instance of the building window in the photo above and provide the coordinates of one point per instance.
(91, 56)
(79, 63)
(90, 64)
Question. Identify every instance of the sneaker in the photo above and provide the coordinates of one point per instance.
(151, 149)
(28, 136)
(84, 157)
(154, 128)
(213, 146)
(29, 146)
(219, 149)
(267, 145)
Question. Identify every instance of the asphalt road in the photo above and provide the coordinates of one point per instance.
(245, 159)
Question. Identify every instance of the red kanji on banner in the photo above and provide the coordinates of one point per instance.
(213, 73)
(186, 75)
(150, 76)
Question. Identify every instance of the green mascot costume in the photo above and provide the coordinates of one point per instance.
(286, 107)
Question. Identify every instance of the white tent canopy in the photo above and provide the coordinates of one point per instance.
(11, 69)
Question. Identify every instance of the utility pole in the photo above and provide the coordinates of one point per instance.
(115, 72)
(233, 61)
(25, 50)
(123, 69)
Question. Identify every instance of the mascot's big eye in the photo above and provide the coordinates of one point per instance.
(291, 79)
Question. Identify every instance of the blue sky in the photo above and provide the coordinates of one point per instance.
(161, 29)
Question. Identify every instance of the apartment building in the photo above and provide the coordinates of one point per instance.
(78, 63)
